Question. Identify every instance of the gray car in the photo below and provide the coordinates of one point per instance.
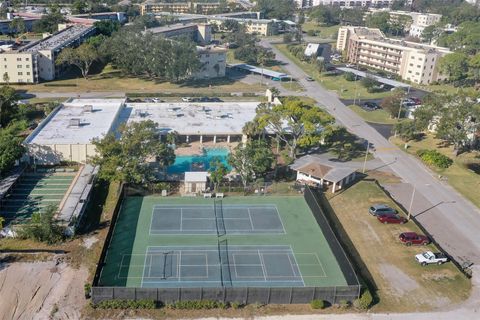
(381, 209)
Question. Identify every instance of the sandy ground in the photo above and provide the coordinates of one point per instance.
(41, 290)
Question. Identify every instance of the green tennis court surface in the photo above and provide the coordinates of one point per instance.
(32, 193)
(237, 242)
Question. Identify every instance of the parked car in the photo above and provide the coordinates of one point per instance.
(409, 238)
(428, 257)
(350, 65)
(187, 99)
(416, 100)
(309, 79)
(377, 209)
(370, 106)
(156, 100)
(387, 218)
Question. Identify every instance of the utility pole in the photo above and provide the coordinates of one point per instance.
(366, 156)
(411, 203)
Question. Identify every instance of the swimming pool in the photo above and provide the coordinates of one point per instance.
(199, 162)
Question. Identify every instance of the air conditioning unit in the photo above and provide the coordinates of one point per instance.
(74, 122)
(88, 108)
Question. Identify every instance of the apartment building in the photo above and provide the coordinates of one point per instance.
(213, 62)
(198, 33)
(179, 7)
(263, 27)
(344, 3)
(419, 20)
(36, 61)
(411, 61)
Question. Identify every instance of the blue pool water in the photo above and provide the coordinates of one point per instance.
(199, 162)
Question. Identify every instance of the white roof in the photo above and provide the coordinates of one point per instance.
(257, 70)
(311, 49)
(199, 176)
(56, 128)
(192, 118)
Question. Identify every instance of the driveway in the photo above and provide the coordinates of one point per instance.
(453, 220)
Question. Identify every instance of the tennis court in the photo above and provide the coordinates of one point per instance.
(32, 193)
(236, 242)
(216, 217)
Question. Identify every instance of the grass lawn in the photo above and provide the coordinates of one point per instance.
(377, 116)
(402, 284)
(110, 79)
(322, 32)
(293, 86)
(461, 174)
(345, 89)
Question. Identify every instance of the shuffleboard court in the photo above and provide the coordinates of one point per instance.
(210, 219)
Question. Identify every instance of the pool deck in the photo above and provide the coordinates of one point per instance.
(196, 148)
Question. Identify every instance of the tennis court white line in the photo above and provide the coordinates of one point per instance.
(150, 267)
(179, 262)
(181, 219)
(263, 265)
(250, 217)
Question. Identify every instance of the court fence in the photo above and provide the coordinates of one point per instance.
(245, 295)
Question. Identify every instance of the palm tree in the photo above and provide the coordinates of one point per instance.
(2, 221)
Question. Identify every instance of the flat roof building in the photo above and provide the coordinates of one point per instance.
(36, 60)
(410, 60)
(67, 133)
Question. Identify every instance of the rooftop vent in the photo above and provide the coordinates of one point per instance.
(140, 113)
(88, 108)
(74, 122)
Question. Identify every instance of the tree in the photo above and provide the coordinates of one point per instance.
(2, 221)
(126, 159)
(393, 102)
(320, 63)
(17, 26)
(231, 25)
(8, 104)
(294, 122)
(287, 37)
(79, 7)
(82, 57)
(431, 33)
(106, 27)
(325, 15)
(11, 148)
(49, 22)
(217, 171)
(406, 130)
(474, 67)
(466, 39)
(251, 160)
(368, 82)
(455, 65)
(398, 5)
(172, 137)
(6, 78)
(276, 9)
(341, 142)
(353, 17)
(380, 20)
(43, 227)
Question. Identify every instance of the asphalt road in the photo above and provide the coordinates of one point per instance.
(448, 216)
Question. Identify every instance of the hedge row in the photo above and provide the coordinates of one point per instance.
(126, 304)
(60, 84)
(434, 158)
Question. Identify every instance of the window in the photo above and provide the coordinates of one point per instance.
(28, 73)
(417, 73)
(27, 59)
(409, 71)
(419, 66)
(20, 73)
(19, 59)
(27, 66)
(19, 66)
(411, 64)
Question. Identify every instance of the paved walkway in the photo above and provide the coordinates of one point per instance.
(455, 221)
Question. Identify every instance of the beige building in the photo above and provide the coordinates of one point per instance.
(344, 3)
(200, 33)
(67, 133)
(418, 23)
(263, 27)
(36, 60)
(411, 61)
(213, 62)
(179, 7)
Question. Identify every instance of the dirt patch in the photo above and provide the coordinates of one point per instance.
(89, 242)
(399, 281)
(32, 290)
(371, 235)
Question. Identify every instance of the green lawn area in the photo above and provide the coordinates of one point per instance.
(402, 284)
(345, 89)
(292, 86)
(322, 32)
(377, 116)
(460, 174)
(110, 79)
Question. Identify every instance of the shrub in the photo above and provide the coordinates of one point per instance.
(349, 76)
(126, 304)
(236, 305)
(434, 158)
(87, 287)
(317, 304)
(364, 301)
(344, 304)
(197, 305)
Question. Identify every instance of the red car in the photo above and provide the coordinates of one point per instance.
(391, 218)
(409, 238)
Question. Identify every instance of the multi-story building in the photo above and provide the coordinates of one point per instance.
(411, 61)
(213, 59)
(344, 3)
(263, 27)
(179, 7)
(418, 23)
(213, 62)
(36, 60)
